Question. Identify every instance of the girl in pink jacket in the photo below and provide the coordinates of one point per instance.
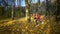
(37, 18)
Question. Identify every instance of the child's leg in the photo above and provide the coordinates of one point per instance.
(40, 21)
(36, 22)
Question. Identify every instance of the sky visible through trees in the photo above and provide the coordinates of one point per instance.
(20, 2)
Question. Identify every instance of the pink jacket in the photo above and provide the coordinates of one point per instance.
(38, 17)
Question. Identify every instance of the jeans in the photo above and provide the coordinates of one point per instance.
(36, 22)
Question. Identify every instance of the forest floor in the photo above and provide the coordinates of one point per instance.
(21, 26)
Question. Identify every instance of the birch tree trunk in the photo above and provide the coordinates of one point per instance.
(12, 13)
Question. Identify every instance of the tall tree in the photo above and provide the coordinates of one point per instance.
(28, 8)
(58, 10)
(12, 4)
(4, 5)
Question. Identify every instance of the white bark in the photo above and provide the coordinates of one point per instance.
(12, 12)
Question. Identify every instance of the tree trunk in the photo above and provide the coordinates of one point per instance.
(12, 13)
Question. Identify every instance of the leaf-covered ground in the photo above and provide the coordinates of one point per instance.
(20, 26)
